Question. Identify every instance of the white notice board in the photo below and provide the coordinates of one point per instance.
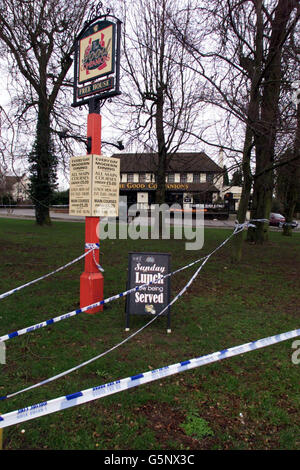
(94, 186)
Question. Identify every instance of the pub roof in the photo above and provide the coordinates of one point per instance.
(177, 162)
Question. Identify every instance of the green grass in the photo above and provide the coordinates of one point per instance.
(250, 401)
(196, 427)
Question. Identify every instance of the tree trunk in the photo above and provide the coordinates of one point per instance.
(262, 201)
(294, 182)
(266, 126)
(289, 213)
(252, 117)
(262, 191)
(162, 158)
(43, 167)
(245, 196)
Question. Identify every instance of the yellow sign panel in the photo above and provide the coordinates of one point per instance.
(105, 191)
(94, 186)
(80, 202)
(96, 53)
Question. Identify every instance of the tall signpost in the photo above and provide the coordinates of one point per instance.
(92, 280)
(94, 180)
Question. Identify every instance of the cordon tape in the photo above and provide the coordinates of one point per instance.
(101, 391)
(88, 246)
(67, 401)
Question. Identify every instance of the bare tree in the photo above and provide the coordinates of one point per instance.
(237, 47)
(159, 91)
(288, 177)
(37, 40)
(283, 23)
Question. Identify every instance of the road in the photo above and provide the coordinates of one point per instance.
(26, 213)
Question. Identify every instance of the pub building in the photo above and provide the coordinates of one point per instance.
(191, 178)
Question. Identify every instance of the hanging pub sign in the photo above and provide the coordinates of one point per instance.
(150, 299)
(97, 60)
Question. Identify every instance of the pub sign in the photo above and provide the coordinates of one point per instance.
(97, 60)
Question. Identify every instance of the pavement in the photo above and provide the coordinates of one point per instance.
(23, 213)
(26, 213)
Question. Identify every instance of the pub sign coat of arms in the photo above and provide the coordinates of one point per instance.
(96, 52)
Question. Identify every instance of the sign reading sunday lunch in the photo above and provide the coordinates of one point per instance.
(145, 268)
(97, 54)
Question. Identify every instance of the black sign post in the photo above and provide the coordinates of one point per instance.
(151, 269)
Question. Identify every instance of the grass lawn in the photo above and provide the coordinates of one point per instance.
(247, 402)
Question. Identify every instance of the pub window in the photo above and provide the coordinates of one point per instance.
(210, 177)
(171, 178)
(183, 177)
(130, 177)
(142, 177)
(196, 177)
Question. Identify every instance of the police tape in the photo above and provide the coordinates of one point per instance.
(101, 391)
(78, 311)
(17, 289)
(73, 313)
(97, 264)
(288, 224)
(263, 221)
(93, 359)
(90, 247)
(250, 223)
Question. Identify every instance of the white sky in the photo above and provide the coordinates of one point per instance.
(213, 116)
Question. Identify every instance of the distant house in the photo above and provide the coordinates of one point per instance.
(191, 178)
(14, 188)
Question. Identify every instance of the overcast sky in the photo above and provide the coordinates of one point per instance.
(211, 116)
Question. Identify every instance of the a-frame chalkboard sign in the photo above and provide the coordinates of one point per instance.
(150, 299)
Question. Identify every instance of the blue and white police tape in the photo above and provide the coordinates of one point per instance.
(17, 289)
(97, 264)
(73, 369)
(288, 224)
(263, 221)
(250, 223)
(94, 246)
(65, 316)
(58, 404)
(109, 299)
(91, 246)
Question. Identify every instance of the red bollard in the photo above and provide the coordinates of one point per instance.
(91, 280)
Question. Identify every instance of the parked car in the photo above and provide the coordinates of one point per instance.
(278, 220)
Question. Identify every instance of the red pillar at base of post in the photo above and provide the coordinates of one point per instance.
(92, 280)
(91, 290)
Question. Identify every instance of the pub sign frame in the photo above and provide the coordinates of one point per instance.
(161, 286)
(97, 60)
